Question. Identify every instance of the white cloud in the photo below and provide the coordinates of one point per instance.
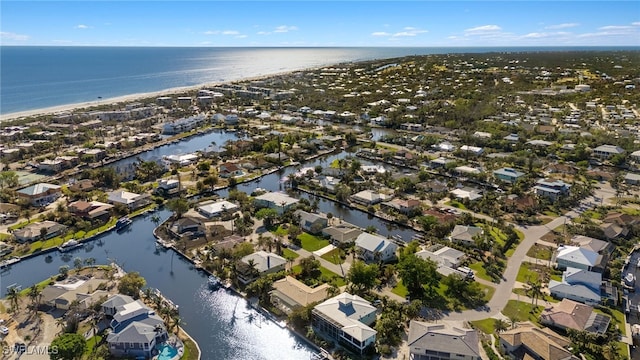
(409, 31)
(211, 32)
(535, 35)
(241, 36)
(285, 28)
(223, 32)
(13, 36)
(615, 27)
(562, 26)
(637, 23)
(380, 33)
(484, 28)
(82, 26)
(230, 32)
(263, 33)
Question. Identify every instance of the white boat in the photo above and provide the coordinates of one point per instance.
(69, 245)
(123, 222)
(9, 262)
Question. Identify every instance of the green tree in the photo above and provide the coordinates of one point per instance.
(418, 275)
(362, 277)
(68, 347)
(268, 216)
(310, 268)
(13, 295)
(179, 206)
(131, 283)
(8, 179)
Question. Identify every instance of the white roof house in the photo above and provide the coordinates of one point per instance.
(374, 247)
(132, 200)
(216, 208)
(576, 257)
(606, 151)
(265, 261)
(347, 317)
(276, 200)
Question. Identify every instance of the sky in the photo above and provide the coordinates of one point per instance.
(320, 23)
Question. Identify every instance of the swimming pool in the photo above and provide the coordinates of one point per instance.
(166, 352)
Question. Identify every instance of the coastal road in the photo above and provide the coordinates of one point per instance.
(531, 235)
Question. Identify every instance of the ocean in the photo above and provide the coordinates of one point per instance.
(35, 77)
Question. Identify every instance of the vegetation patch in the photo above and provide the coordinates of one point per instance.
(312, 242)
(289, 254)
(540, 252)
(400, 290)
(522, 311)
(485, 325)
(480, 271)
(530, 272)
(335, 256)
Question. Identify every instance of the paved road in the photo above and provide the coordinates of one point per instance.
(531, 235)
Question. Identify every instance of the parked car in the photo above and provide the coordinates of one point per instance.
(4, 330)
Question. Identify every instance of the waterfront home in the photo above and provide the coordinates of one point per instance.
(527, 341)
(83, 185)
(40, 194)
(467, 193)
(328, 183)
(465, 235)
(429, 341)
(310, 222)
(183, 125)
(39, 231)
(135, 330)
(290, 294)
(258, 264)
(131, 200)
(567, 256)
(76, 289)
(167, 187)
(569, 314)
(372, 247)
(578, 285)
(440, 162)
(551, 189)
(278, 201)
(402, 206)
(217, 208)
(91, 210)
(228, 170)
(342, 234)
(508, 175)
(607, 151)
(186, 226)
(182, 160)
(346, 319)
(110, 306)
(58, 164)
(367, 197)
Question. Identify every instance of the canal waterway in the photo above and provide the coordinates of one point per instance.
(222, 323)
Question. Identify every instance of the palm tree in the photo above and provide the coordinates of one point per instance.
(13, 295)
(535, 291)
(500, 325)
(35, 295)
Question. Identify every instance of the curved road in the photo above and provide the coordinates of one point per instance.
(531, 235)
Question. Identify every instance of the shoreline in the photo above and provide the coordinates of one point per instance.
(50, 110)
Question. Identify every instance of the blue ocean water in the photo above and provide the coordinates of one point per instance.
(39, 77)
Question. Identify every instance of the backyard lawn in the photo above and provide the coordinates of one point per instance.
(479, 271)
(334, 256)
(326, 275)
(312, 242)
(485, 325)
(289, 254)
(400, 290)
(540, 252)
(521, 311)
(531, 272)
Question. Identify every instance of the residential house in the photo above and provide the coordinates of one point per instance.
(632, 179)
(602, 247)
(167, 187)
(440, 162)
(110, 306)
(39, 231)
(311, 223)
(91, 210)
(473, 150)
(402, 206)
(465, 234)
(228, 170)
(527, 341)
(187, 226)
(442, 342)
(467, 193)
(328, 183)
(578, 285)
(521, 204)
(371, 247)
(132, 200)
(567, 256)
(367, 197)
(569, 314)
(78, 289)
(258, 264)
(444, 256)
(342, 233)
(290, 294)
(279, 201)
(82, 186)
(607, 151)
(508, 175)
(217, 208)
(135, 329)
(40, 194)
(346, 319)
(551, 189)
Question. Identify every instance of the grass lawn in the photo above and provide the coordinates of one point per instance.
(190, 349)
(521, 311)
(488, 291)
(289, 254)
(280, 231)
(400, 290)
(486, 325)
(523, 292)
(334, 256)
(540, 252)
(312, 242)
(326, 274)
(91, 344)
(41, 285)
(510, 252)
(529, 272)
(498, 236)
(456, 204)
(618, 319)
(479, 271)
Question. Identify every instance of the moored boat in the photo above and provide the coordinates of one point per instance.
(123, 222)
(69, 245)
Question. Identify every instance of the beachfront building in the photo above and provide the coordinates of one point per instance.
(183, 125)
(40, 194)
(442, 342)
(278, 201)
(346, 319)
(258, 264)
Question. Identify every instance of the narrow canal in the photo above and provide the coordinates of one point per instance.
(223, 324)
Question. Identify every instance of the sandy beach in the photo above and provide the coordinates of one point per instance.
(132, 97)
